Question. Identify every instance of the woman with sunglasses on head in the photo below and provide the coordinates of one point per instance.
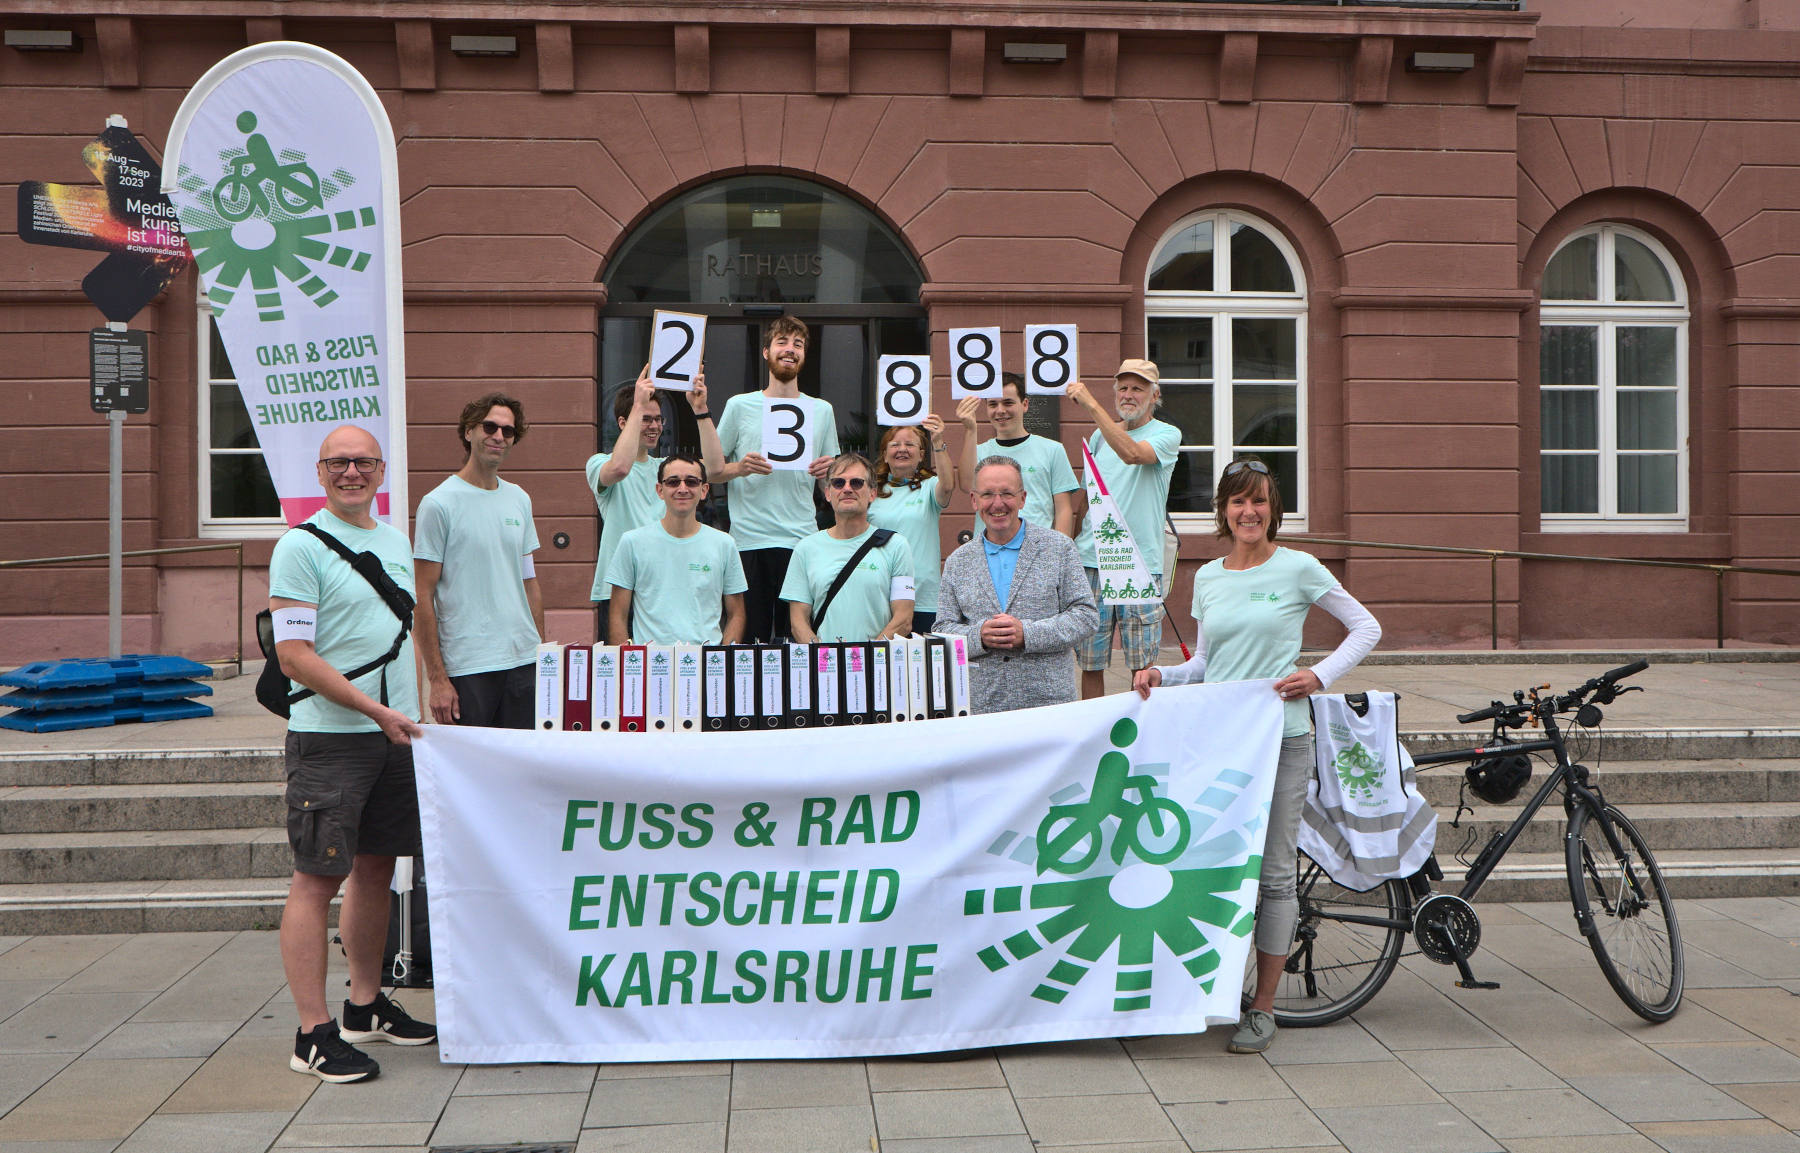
(911, 495)
(1250, 607)
(873, 600)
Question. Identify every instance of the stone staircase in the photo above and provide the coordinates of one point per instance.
(171, 841)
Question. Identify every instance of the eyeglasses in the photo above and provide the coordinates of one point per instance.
(853, 483)
(1238, 466)
(682, 482)
(506, 431)
(997, 494)
(339, 465)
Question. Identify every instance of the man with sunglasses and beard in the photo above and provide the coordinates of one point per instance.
(875, 601)
(480, 613)
(674, 579)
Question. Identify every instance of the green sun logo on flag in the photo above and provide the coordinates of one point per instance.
(1134, 868)
(264, 219)
(1110, 531)
(1358, 771)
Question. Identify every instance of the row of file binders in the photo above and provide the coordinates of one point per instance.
(727, 688)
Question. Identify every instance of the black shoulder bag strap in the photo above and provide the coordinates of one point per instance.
(877, 539)
(392, 595)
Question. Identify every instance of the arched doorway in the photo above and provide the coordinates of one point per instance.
(743, 250)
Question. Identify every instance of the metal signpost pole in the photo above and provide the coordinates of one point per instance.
(115, 525)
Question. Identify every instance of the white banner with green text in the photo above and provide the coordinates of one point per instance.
(1087, 870)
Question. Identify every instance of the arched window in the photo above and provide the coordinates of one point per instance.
(1225, 322)
(237, 498)
(1612, 385)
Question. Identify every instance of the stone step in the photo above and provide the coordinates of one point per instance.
(1687, 744)
(1690, 875)
(143, 855)
(1628, 783)
(1690, 825)
(182, 766)
(143, 906)
(118, 808)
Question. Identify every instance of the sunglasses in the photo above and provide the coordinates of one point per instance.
(853, 483)
(506, 431)
(1238, 466)
(339, 465)
(682, 482)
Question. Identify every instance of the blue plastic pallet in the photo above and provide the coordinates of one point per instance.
(104, 696)
(132, 669)
(60, 720)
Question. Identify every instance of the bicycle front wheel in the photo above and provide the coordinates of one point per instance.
(1345, 947)
(1625, 910)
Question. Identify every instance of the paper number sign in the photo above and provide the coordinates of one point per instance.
(787, 437)
(1050, 359)
(677, 341)
(902, 390)
(974, 362)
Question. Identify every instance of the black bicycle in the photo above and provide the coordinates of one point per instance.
(1347, 943)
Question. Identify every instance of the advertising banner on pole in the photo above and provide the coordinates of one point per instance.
(281, 167)
(1124, 576)
(1087, 871)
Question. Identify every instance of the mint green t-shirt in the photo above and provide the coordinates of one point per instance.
(678, 584)
(865, 603)
(1045, 463)
(913, 513)
(1252, 619)
(355, 624)
(631, 503)
(484, 622)
(774, 511)
(1140, 490)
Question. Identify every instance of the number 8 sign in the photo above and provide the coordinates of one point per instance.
(1051, 360)
(974, 362)
(677, 341)
(902, 390)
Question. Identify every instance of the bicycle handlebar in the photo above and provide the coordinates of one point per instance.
(1513, 715)
(1623, 671)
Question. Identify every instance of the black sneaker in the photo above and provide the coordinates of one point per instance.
(384, 1020)
(323, 1052)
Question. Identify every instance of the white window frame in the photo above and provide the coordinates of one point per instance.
(1221, 305)
(1607, 315)
(219, 527)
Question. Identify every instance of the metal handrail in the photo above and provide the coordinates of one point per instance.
(1496, 555)
(224, 546)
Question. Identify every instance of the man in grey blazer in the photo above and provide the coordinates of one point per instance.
(1018, 592)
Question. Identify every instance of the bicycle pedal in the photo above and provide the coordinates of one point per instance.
(1478, 984)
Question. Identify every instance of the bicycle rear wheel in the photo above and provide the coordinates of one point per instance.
(1345, 947)
(1626, 911)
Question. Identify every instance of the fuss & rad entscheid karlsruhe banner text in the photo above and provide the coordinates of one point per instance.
(1086, 870)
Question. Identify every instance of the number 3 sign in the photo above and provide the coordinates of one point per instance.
(788, 434)
(902, 390)
(676, 343)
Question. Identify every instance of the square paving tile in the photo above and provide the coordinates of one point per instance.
(1357, 1083)
(1613, 1143)
(1213, 1079)
(505, 1118)
(1537, 1113)
(1723, 1137)
(1407, 1129)
(805, 1129)
(946, 1113)
(1473, 1070)
(21, 1074)
(413, 1086)
(1780, 1103)
(1344, 1041)
(67, 1023)
(785, 1084)
(1208, 1044)
(631, 1070)
(147, 961)
(982, 1071)
(348, 1136)
(1639, 1097)
(192, 999)
(1734, 1063)
(57, 958)
(247, 1075)
(1221, 1125)
(694, 1137)
(15, 995)
(165, 1039)
(1100, 1066)
(92, 1100)
(213, 1133)
(1091, 1120)
(485, 1080)
(657, 1101)
(996, 1143)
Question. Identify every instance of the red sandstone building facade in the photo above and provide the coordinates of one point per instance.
(1467, 276)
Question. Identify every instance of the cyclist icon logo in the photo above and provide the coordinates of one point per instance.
(265, 218)
(1359, 771)
(1130, 870)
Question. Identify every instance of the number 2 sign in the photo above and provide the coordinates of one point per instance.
(677, 340)
(902, 390)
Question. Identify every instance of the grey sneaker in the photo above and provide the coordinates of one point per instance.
(1254, 1032)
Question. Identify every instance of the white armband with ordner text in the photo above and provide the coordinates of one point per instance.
(527, 567)
(295, 623)
(901, 588)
